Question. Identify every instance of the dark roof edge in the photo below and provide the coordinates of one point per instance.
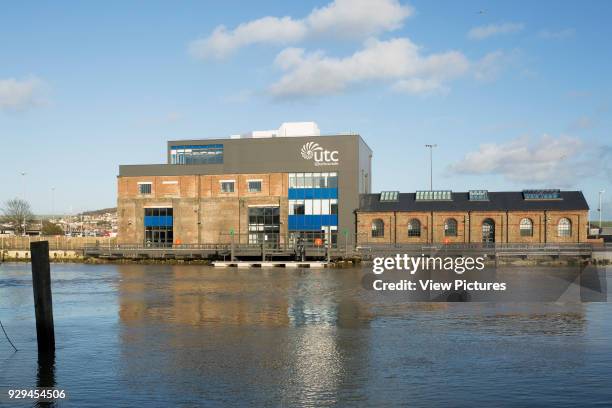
(498, 201)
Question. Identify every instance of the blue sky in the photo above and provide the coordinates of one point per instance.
(516, 94)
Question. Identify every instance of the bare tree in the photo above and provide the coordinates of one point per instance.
(18, 214)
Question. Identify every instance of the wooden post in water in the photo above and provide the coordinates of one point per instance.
(43, 303)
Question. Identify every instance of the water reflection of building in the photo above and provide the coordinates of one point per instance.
(267, 298)
(288, 325)
(179, 294)
(297, 338)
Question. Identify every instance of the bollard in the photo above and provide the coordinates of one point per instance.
(43, 303)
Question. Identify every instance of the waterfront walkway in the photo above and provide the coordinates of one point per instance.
(229, 252)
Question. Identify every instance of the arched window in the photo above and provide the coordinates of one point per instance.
(450, 227)
(564, 228)
(378, 228)
(488, 230)
(526, 227)
(414, 228)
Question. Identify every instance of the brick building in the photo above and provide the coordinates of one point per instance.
(529, 216)
(263, 186)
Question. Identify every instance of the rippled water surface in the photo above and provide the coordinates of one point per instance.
(159, 335)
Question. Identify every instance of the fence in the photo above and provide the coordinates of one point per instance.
(56, 242)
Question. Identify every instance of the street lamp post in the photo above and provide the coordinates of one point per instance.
(23, 174)
(52, 201)
(600, 209)
(431, 146)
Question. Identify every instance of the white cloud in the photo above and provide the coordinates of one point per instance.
(271, 30)
(549, 161)
(490, 67)
(482, 32)
(358, 18)
(398, 60)
(420, 86)
(557, 35)
(19, 94)
(341, 18)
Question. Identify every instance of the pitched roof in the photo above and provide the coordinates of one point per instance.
(498, 201)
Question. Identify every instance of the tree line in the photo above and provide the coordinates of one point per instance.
(17, 215)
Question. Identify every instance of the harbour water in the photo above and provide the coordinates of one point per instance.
(162, 335)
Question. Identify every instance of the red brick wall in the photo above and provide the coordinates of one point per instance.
(202, 212)
(469, 226)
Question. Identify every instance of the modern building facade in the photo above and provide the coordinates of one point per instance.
(477, 216)
(263, 186)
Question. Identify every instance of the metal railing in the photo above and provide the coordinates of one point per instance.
(150, 245)
(479, 245)
(289, 241)
(518, 249)
(264, 245)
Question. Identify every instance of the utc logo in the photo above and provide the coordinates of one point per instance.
(322, 157)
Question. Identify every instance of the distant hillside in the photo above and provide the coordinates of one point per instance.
(101, 211)
(595, 223)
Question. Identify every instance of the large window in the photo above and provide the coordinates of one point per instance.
(144, 188)
(158, 212)
(313, 180)
(264, 225)
(378, 228)
(227, 186)
(450, 227)
(158, 223)
(254, 186)
(564, 228)
(526, 227)
(313, 207)
(414, 228)
(296, 207)
(196, 154)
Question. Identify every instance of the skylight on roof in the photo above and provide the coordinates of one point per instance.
(387, 196)
(436, 195)
(544, 194)
(479, 195)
